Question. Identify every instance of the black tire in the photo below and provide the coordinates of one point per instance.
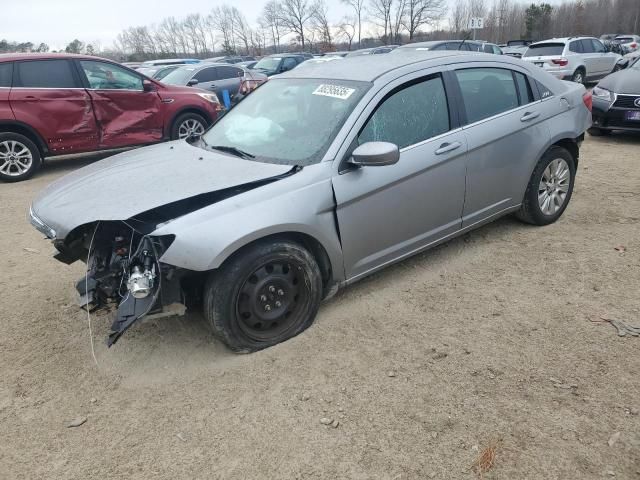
(598, 132)
(617, 68)
(280, 275)
(10, 169)
(531, 211)
(578, 76)
(185, 117)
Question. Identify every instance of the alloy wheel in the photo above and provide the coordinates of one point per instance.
(190, 127)
(554, 186)
(270, 300)
(15, 158)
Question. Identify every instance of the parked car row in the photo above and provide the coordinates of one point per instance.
(322, 176)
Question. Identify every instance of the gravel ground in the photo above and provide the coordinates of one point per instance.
(486, 341)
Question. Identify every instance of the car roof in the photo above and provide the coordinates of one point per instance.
(562, 40)
(9, 57)
(432, 43)
(281, 55)
(367, 68)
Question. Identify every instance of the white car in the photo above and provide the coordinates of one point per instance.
(579, 59)
(629, 43)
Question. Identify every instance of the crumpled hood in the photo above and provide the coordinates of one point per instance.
(124, 185)
(624, 81)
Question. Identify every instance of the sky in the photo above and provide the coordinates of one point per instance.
(58, 22)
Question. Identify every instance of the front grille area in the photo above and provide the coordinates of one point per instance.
(626, 101)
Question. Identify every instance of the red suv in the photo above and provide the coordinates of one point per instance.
(59, 104)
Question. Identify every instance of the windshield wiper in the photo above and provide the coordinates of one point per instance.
(232, 150)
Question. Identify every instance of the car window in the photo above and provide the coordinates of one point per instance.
(106, 76)
(524, 88)
(229, 72)
(587, 46)
(6, 74)
(544, 49)
(409, 116)
(45, 74)
(598, 47)
(487, 92)
(288, 64)
(544, 91)
(624, 39)
(207, 75)
(442, 46)
(575, 47)
(497, 50)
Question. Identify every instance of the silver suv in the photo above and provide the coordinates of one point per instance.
(579, 59)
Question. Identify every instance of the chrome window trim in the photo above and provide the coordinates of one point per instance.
(429, 140)
(501, 114)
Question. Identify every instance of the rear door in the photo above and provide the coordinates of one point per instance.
(125, 113)
(606, 61)
(385, 213)
(6, 78)
(48, 96)
(229, 79)
(505, 136)
(592, 60)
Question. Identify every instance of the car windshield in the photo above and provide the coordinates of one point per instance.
(287, 121)
(180, 76)
(268, 63)
(544, 50)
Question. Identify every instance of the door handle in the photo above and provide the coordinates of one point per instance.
(448, 147)
(529, 116)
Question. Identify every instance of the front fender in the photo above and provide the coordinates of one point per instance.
(302, 203)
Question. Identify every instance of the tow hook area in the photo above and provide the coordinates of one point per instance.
(123, 269)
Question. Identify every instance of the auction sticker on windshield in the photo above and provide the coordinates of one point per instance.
(335, 91)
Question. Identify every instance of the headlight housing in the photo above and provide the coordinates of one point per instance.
(210, 97)
(39, 225)
(603, 94)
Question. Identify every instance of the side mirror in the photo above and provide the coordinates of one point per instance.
(375, 154)
(193, 82)
(148, 86)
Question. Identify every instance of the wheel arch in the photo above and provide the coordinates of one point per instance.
(15, 126)
(569, 144)
(182, 111)
(306, 240)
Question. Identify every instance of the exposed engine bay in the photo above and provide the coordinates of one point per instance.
(123, 270)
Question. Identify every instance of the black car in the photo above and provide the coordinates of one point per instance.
(616, 102)
(279, 63)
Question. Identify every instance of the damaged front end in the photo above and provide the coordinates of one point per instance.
(123, 270)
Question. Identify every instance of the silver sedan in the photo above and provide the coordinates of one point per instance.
(319, 178)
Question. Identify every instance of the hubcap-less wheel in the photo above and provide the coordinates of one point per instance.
(554, 186)
(15, 158)
(270, 300)
(577, 77)
(190, 127)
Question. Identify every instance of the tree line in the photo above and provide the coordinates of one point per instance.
(305, 25)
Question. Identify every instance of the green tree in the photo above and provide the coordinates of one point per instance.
(537, 20)
(75, 47)
(89, 50)
(42, 48)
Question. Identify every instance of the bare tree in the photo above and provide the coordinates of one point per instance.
(419, 13)
(397, 19)
(320, 23)
(222, 21)
(347, 30)
(295, 15)
(380, 13)
(241, 28)
(272, 21)
(358, 10)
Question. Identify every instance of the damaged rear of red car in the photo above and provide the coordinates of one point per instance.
(53, 104)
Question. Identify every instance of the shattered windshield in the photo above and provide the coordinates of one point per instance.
(287, 121)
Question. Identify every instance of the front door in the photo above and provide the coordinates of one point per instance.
(385, 213)
(505, 136)
(126, 114)
(48, 96)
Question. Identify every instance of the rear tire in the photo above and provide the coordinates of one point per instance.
(188, 124)
(550, 188)
(19, 157)
(598, 132)
(263, 295)
(578, 76)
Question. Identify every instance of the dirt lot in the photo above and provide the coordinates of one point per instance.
(485, 340)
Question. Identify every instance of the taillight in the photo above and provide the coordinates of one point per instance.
(634, 45)
(587, 98)
(560, 61)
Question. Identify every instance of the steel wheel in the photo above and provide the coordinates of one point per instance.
(270, 300)
(554, 186)
(15, 158)
(190, 127)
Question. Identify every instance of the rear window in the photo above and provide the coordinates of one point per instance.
(545, 50)
(45, 74)
(624, 39)
(6, 72)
